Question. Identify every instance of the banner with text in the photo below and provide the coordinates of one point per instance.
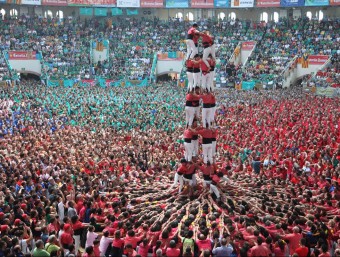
(100, 12)
(326, 91)
(101, 3)
(128, 3)
(316, 2)
(317, 59)
(152, 3)
(131, 11)
(202, 3)
(268, 3)
(248, 85)
(22, 55)
(55, 2)
(334, 2)
(248, 45)
(31, 2)
(242, 3)
(86, 11)
(292, 3)
(116, 11)
(177, 4)
(221, 3)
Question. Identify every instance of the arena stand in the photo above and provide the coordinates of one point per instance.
(96, 165)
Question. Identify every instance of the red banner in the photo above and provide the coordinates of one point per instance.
(248, 45)
(202, 3)
(317, 59)
(151, 3)
(103, 3)
(334, 2)
(268, 3)
(22, 55)
(54, 2)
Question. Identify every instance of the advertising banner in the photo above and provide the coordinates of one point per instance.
(221, 3)
(116, 11)
(31, 2)
(22, 55)
(103, 3)
(128, 3)
(177, 4)
(86, 11)
(248, 85)
(242, 3)
(334, 2)
(268, 3)
(131, 12)
(292, 3)
(317, 59)
(248, 45)
(202, 3)
(100, 12)
(316, 2)
(326, 91)
(54, 2)
(151, 4)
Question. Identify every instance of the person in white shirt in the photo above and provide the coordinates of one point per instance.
(105, 241)
(90, 237)
(61, 209)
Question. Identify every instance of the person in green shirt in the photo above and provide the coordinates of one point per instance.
(51, 246)
(39, 250)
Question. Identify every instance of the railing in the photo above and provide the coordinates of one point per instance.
(12, 73)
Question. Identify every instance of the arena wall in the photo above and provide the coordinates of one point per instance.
(246, 13)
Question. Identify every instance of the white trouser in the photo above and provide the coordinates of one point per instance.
(213, 51)
(211, 117)
(211, 80)
(194, 180)
(190, 77)
(213, 145)
(188, 151)
(194, 147)
(197, 111)
(214, 189)
(191, 49)
(197, 79)
(189, 115)
(206, 53)
(188, 181)
(76, 243)
(206, 183)
(177, 178)
(206, 116)
(206, 81)
(207, 153)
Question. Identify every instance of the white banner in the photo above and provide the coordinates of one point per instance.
(128, 3)
(242, 3)
(31, 2)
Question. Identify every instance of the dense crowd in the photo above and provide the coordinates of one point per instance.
(92, 169)
(65, 44)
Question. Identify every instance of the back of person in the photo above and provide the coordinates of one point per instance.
(188, 243)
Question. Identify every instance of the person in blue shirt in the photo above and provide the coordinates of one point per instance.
(225, 250)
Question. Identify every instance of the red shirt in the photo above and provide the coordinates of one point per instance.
(143, 249)
(302, 251)
(205, 133)
(187, 134)
(203, 244)
(173, 252)
(204, 67)
(118, 243)
(190, 64)
(66, 239)
(132, 240)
